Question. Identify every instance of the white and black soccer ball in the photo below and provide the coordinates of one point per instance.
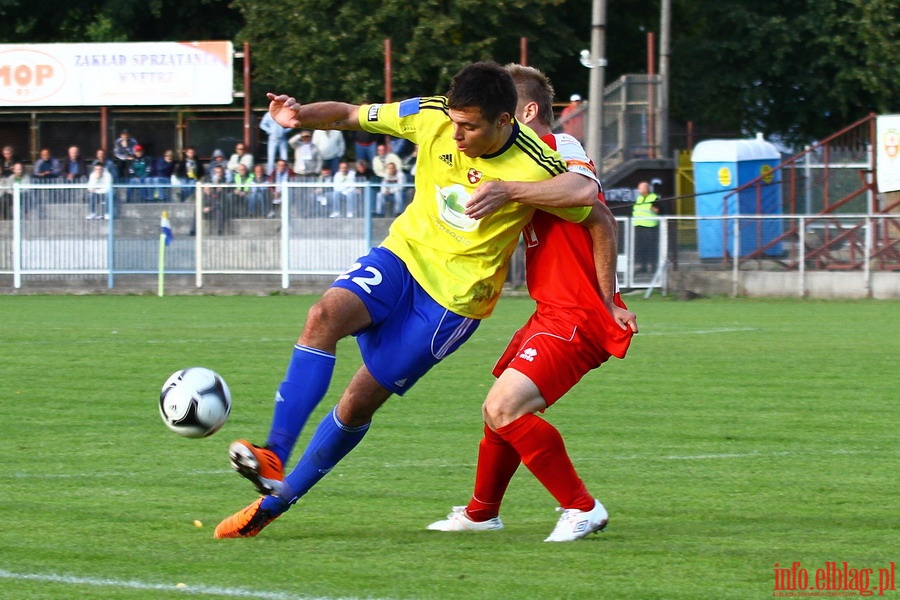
(195, 402)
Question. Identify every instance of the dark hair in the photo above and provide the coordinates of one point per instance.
(486, 86)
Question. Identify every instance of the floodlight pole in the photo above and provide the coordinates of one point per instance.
(595, 83)
(665, 27)
(248, 115)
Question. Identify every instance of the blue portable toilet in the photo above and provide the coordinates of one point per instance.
(722, 166)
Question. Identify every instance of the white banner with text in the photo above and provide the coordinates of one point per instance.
(116, 74)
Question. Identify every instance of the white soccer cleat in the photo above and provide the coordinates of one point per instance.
(575, 524)
(458, 520)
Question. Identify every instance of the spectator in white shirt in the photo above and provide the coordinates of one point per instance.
(392, 192)
(331, 145)
(345, 191)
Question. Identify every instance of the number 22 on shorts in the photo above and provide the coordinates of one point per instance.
(365, 282)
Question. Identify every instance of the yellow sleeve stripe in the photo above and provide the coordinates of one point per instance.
(434, 103)
(538, 152)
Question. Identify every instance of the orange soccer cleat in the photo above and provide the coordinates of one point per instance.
(246, 522)
(260, 465)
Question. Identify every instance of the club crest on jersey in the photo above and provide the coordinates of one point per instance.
(474, 176)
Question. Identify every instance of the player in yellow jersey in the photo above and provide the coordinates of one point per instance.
(419, 296)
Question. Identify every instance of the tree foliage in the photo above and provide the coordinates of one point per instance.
(117, 21)
(799, 70)
(327, 49)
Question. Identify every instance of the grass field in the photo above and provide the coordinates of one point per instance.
(736, 435)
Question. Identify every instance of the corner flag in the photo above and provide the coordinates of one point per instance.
(166, 228)
(165, 238)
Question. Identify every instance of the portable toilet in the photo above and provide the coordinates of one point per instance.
(720, 168)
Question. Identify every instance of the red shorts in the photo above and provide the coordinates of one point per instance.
(553, 353)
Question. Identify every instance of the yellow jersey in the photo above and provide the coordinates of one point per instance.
(461, 262)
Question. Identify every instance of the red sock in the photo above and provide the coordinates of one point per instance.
(497, 462)
(544, 453)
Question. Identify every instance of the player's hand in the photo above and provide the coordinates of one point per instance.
(625, 318)
(487, 197)
(283, 109)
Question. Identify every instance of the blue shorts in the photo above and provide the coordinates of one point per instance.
(410, 332)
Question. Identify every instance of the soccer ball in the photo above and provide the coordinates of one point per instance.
(195, 402)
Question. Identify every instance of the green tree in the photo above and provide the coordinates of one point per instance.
(322, 50)
(797, 70)
(117, 21)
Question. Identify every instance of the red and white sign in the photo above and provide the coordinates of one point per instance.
(116, 74)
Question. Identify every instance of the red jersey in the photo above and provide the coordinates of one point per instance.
(561, 277)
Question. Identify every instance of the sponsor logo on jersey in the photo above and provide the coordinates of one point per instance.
(528, 354)
(474, 176)
(447, 158)
(373, 112)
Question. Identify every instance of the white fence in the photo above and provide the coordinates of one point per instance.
(302, 231)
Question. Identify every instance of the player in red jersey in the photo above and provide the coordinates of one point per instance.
(580, 321)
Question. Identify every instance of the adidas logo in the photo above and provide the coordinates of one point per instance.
(447, 158)
(528, 354)
(400, 382)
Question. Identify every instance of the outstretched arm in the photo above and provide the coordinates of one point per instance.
(287, 112)
(604, 233)
(565, 190)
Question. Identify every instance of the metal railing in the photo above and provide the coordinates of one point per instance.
(300, 230)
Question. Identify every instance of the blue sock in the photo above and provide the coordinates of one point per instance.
(304, 386)
(274, 504)
(331, 442)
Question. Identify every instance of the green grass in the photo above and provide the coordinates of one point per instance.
(737, 434)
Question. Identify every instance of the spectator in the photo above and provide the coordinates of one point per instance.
(382, 158)
(163, 171)
(364, 145)
(218, 160)
(259, 194)
(331, 145)
(17, 175)
(140, 175)
(9, 158)
(240, 156)
(323, 193)
(188, 172)
(108, 163)
(73, 169)
(345, 191)
(392, 190)
(646, 229)
(99, 186)
(307, 159)
(572, 118)
(46, 168)
(215, 198)
(243, 183)
(123, 150)
(281, 174)
(277, 142)
(365, 175)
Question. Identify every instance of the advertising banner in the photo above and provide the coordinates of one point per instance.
(116, 74)
(887, 152)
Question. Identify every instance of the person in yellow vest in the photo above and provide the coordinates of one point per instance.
(646, 229)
